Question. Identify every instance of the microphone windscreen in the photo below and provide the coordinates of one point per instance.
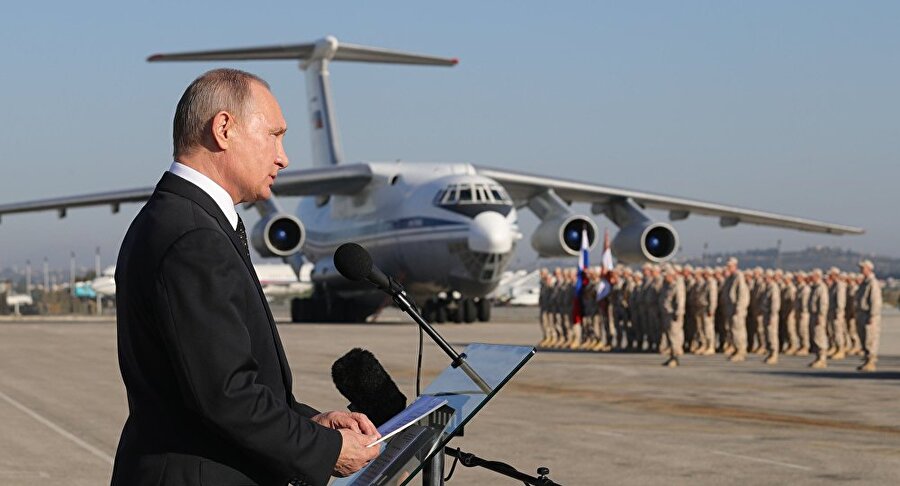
(362, 380)
(353, 261)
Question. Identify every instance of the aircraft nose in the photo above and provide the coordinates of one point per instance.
(490, 232)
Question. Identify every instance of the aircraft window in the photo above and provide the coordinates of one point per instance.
(499, 194)
(480, 195)
(449, 195)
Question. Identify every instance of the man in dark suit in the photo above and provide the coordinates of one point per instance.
(209, 388)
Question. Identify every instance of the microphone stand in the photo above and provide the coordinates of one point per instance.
(433, 472)
(458, 360)
(471, 460)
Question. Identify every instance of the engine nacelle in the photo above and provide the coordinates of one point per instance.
(645, 241)
(278, 235)
(561, 235)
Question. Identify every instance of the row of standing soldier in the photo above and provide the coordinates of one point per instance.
(672, 310)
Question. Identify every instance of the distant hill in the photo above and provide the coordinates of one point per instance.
(806, 259)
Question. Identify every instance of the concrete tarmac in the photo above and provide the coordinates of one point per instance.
(592, 418)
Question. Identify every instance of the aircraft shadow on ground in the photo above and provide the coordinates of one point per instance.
(855, 375)
(288, 322)
(588, 351)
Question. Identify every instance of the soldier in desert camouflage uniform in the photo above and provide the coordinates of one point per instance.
(672, 303)
(818, 318)
(853, 340)
(770, 309)
(868, 314)
(837, 307)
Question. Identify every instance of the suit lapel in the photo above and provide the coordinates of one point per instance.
(177, 185)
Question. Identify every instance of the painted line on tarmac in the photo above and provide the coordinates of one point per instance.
(56, 428)
(24, 474)
(767, 461)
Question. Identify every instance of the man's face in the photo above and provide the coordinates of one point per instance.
(258, 152)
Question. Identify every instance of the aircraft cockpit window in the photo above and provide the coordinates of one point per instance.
(500, 195)
(481, 194)
(472, 198)
(447, 196)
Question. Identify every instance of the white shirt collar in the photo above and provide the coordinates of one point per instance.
(215, 191)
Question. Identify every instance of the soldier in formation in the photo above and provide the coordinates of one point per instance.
(674, 310)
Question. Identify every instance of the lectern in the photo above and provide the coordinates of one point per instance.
(419, 448)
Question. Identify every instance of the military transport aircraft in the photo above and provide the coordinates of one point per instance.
(445, 230)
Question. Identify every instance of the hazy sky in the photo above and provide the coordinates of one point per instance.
(788, 107)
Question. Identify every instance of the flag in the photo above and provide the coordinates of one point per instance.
(604, 287)
(583, 256)
(607, 253)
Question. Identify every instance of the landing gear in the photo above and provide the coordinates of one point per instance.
(434, 311)
(322, 307)
(460, 310)
(484, 309)
(469, 311)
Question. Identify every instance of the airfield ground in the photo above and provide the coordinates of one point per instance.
(591, 418)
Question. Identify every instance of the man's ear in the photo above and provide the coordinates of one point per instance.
(223, 126)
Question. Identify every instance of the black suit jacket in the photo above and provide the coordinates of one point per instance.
(209, 388)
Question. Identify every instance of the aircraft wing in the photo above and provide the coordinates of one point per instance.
(62, 204)
(320, 181)
(523, 186)
(340, 179)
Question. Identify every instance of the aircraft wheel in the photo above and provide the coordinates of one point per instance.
(484, 309)
(469, 312)
(356, 314)
(458, 313)
(440, 312)
(302, 310)
(428, 310)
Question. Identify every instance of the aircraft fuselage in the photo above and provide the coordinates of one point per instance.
(429, 241)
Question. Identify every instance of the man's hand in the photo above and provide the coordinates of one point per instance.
(354, 453)
(354, 421)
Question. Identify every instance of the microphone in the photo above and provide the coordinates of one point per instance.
(355, 263)
(361, 379)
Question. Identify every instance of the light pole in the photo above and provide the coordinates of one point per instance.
(96, 276)
(28, 277)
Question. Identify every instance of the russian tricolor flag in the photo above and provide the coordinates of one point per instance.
(583, 264)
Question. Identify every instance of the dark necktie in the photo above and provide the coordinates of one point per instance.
(242, 234)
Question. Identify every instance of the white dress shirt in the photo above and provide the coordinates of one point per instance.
(215, 191)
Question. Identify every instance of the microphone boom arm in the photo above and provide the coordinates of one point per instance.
(458, 360)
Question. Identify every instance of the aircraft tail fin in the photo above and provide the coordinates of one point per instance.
(314, 59)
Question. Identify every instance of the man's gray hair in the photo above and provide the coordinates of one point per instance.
(214, 91)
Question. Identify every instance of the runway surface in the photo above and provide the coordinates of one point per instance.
(611, 418)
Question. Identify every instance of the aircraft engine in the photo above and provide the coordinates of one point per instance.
(278, 235)
(645, 241)
(561, 235)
